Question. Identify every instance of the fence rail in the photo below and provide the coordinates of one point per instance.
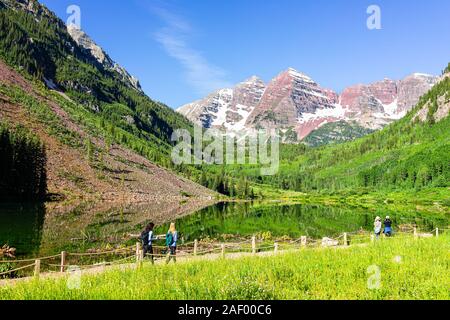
(197, 248)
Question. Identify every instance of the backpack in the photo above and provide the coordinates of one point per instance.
(144, 238)
(169, 239)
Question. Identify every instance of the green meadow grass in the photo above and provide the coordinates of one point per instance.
(408, 269)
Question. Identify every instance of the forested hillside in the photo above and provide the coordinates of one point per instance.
(336, 132)
(23, 159)
(104, 137)
(38, 42)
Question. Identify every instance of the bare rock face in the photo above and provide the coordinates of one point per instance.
(293, 101)
(440, 108)
(359, 98)
(226, 109)
(366, 103)
(384, 91)
(287, 98)
(84, 41)
(80, 37)
(375, 105)
(209, 112)
(412, 88)
(371, 98)
(246, 97)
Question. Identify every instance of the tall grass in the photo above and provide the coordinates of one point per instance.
(409, 269)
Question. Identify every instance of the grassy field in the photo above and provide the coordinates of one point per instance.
(404, 268)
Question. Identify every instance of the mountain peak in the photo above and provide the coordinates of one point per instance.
(253, 80)
(84, 41)
(297, 74)
(421, 75)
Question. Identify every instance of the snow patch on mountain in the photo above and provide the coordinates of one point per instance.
(223, 101)
(337, 112)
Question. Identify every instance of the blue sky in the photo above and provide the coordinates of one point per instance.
(183, 49)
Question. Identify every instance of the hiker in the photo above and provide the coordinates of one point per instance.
(388, 226)
(171, 242)
(151, 238)
(377, 227)
(147, 240)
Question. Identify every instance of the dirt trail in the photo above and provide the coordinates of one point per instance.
(180, 259)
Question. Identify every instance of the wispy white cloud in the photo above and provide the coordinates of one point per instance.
(174, 36)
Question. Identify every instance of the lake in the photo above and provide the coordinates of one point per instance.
(36, 230)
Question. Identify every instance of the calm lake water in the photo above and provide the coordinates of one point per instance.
(33, 231)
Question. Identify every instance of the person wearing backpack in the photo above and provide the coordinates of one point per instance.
(171, 243)
(147, 239)
(151, 238)
(388, 227)
(377, 227)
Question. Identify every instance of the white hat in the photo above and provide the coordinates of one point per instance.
(387, 217)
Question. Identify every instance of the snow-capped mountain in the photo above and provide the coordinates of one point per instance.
(292, 101)
(226, 109)
(375, 105)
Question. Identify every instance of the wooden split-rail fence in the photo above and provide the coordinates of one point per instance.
(135, 253)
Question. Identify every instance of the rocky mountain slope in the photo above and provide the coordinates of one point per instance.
(35, 40)
(105, 139)
(293, 102)
(227, 109)
(84, 41)
(114, 173)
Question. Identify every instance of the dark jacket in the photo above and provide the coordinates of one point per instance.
(387, 223)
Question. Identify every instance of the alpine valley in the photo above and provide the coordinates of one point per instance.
(104, 136)
(86, 166)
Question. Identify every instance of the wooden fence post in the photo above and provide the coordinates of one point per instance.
(138, 249)
(37, 268)
(195, 247)
(437, 232)
(141, 258)
(303, 241)
(63, 261)
(223, 251)
(253, 244)
(275, 248)
(415, 232)
(345, 239)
